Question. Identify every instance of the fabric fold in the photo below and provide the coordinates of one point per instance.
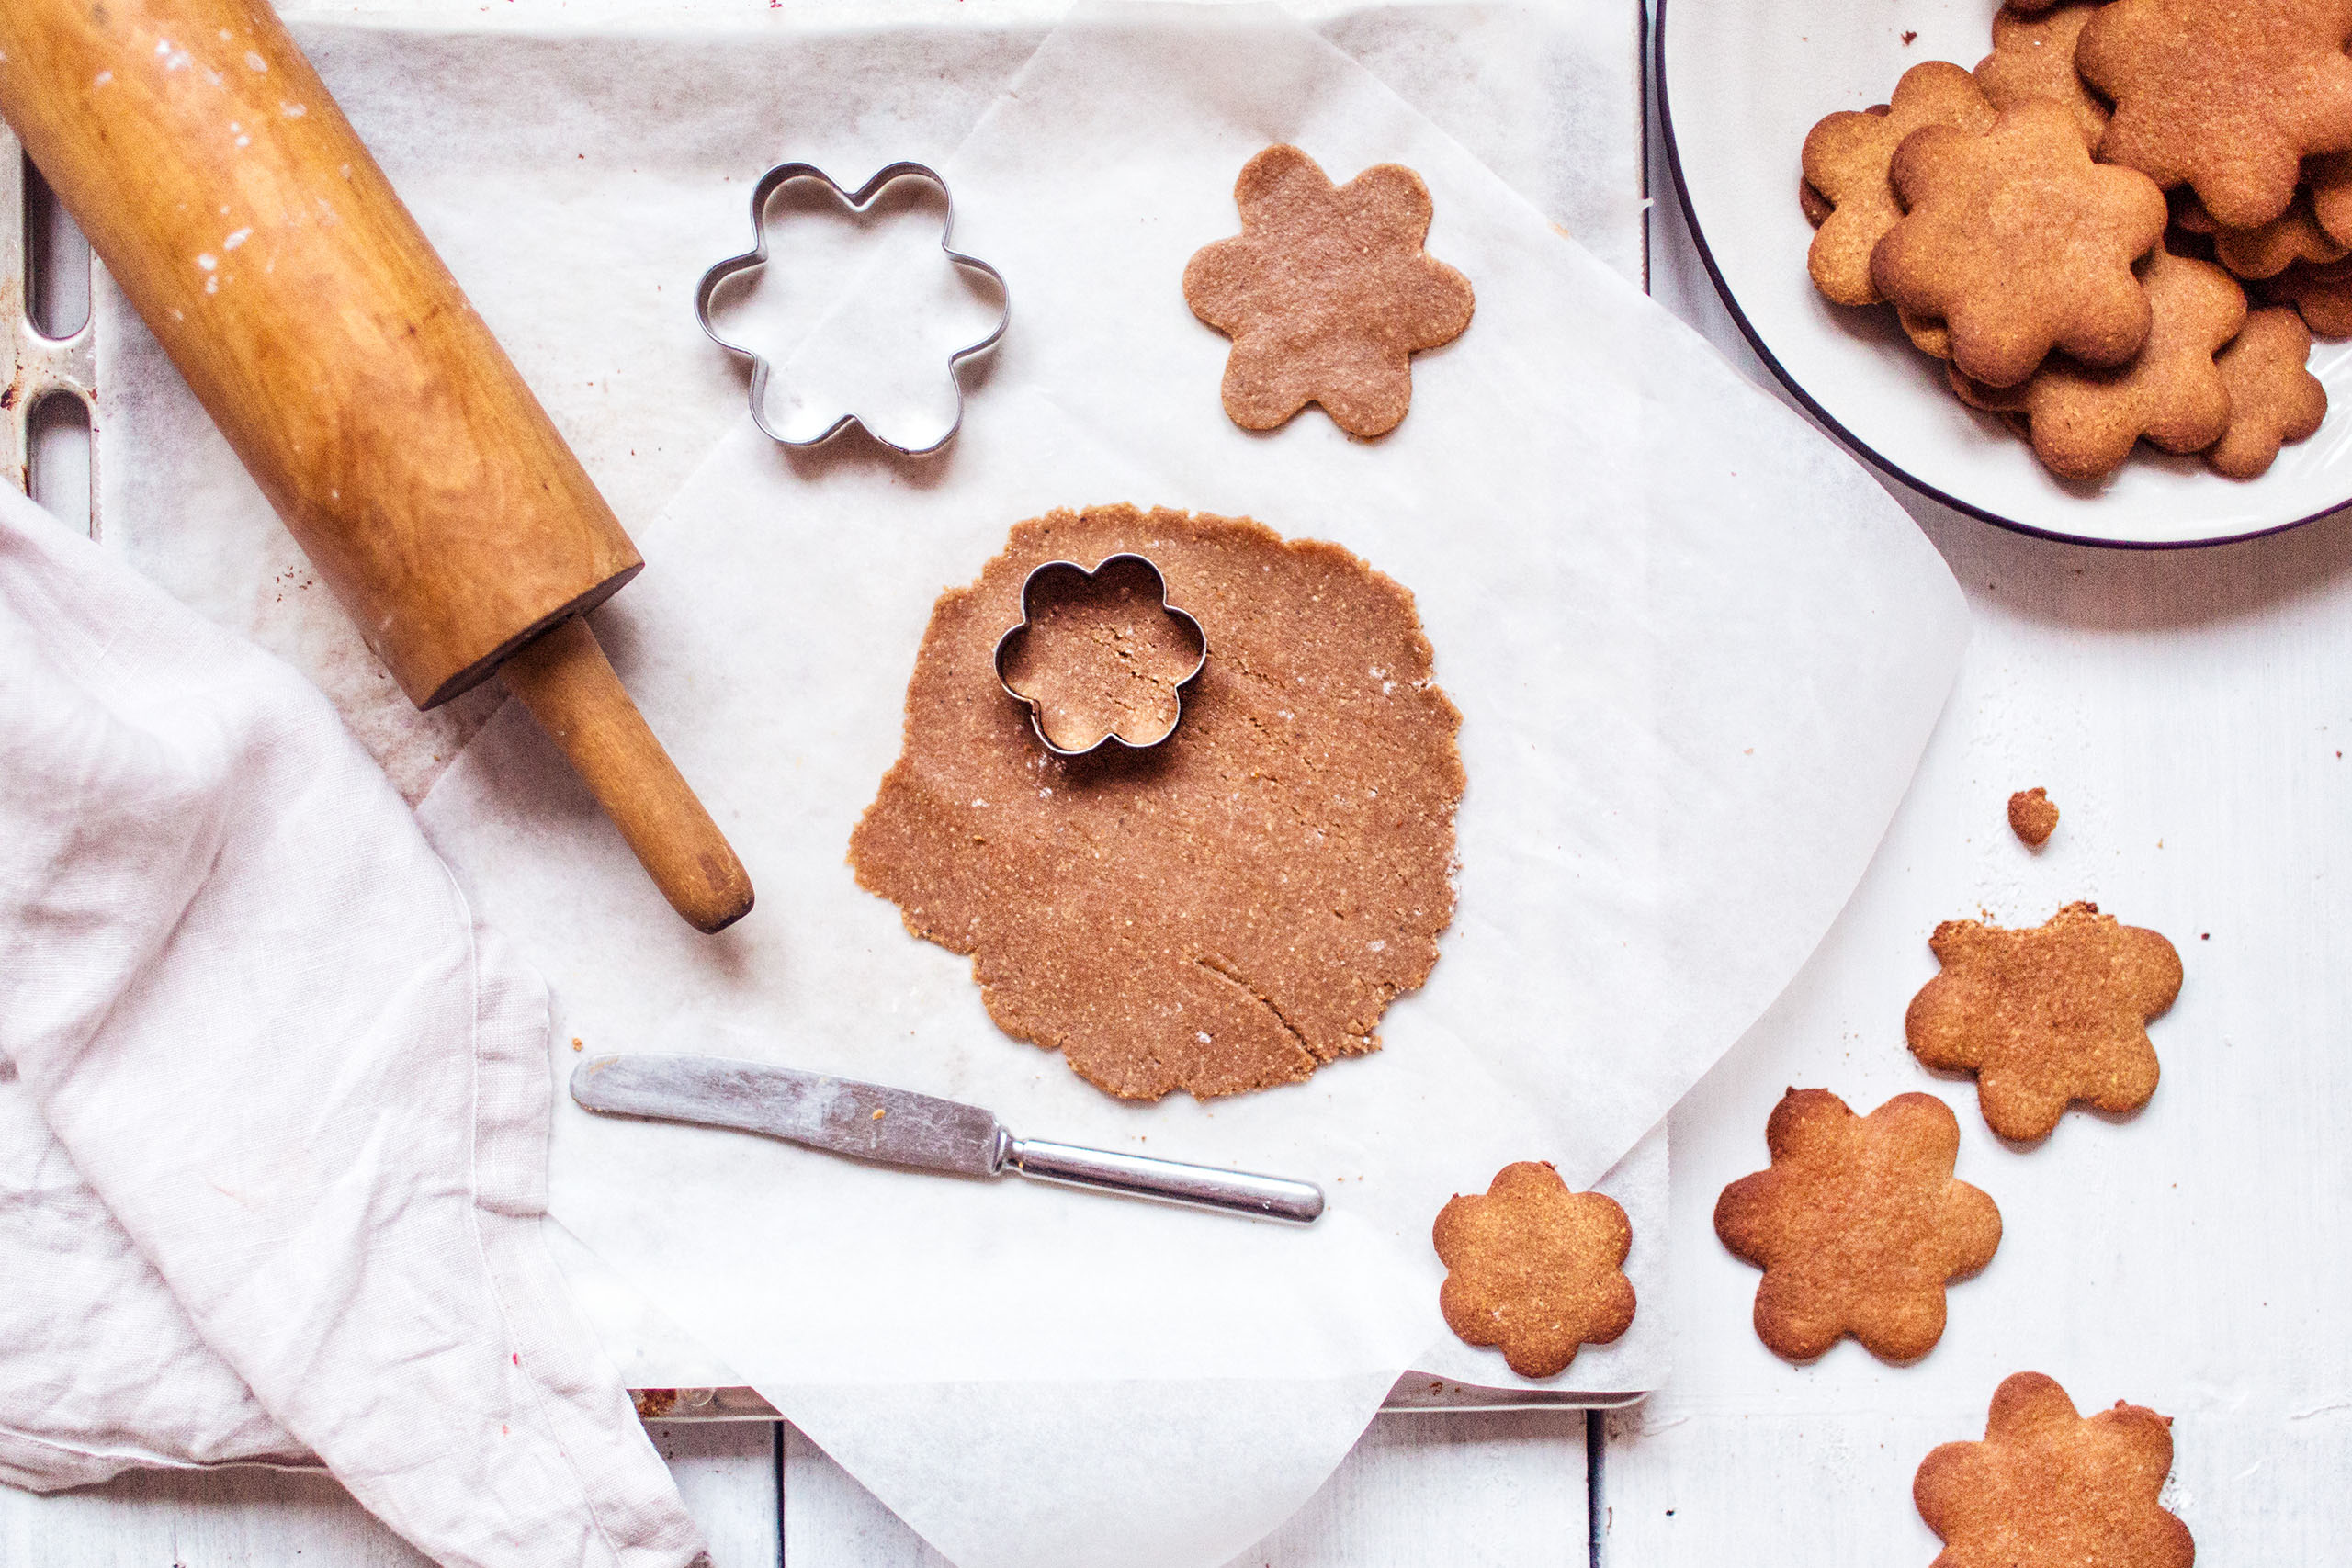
(273, 1152)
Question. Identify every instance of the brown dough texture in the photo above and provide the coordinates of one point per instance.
(2020, 243)
(1237, 905)
(2051, 1488)
(2045, 1016)
(1857, 1226)
(1325, 293)
(2274, 399)
(1100, 654)
(1534, 1267)
(2033, 817)
(2329, 178)
(2321, 295)
(1846, 158)
(2033, 57)
(2083, 423)
(2226, 97)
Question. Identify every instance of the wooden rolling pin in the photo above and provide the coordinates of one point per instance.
(237, 208)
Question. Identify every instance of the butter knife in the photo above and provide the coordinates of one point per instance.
(897, 1127)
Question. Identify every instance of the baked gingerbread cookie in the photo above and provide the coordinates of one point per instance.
(2019, 243)
(2083, 423)
(2045, 1016)
(2321, 295)
(1857, 1226)
(1534, 1268)
(2265, 252)
(2328, 178)
(2050, 1487)
(1846, 160)
(1235, 907)
(2227, 98)
(2033, 815)
(2274, 398)
(1325, 293)
(2033, 57)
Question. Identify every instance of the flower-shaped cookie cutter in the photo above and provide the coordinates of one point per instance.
(856, 201)
(1037, 705)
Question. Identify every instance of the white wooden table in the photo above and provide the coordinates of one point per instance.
(2188, 712)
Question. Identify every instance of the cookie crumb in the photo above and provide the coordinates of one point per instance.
(575, 1042)
(1910, 36)
(2033, 817)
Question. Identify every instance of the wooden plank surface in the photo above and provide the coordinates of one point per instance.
(1502, 1490)
(2188, 713)
(249, 1517)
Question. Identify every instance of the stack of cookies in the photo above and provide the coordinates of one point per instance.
(2018, 217)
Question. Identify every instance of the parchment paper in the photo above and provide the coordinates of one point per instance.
(577, 163)
(1697, 650)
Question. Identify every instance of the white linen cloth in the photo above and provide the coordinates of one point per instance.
(273, 1108)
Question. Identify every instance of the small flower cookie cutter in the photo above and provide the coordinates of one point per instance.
(1028, 615)
(856, 201)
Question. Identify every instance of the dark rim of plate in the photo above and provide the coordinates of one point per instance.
(1830, 421)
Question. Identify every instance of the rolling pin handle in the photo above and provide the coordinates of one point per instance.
(564, 677)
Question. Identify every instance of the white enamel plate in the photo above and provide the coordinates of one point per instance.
(1741, 82)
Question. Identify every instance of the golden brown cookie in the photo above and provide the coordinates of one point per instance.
(1237, 905)
(2045, 1016)
(2083, 423)
(2228, 98)
(2051, 1488)
(2293, 236)
(1928, 335)
(1857, 1226)
(1100, 653)
(2321, 295)
(1846, 158)
(2274, 399)
(2020, 243)
(1814, 205)
(1325, 293)
(2033, 817)
(2329, 179)
(1534, 1267)
(2033, 57)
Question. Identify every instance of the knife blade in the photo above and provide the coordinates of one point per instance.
(920, 1132)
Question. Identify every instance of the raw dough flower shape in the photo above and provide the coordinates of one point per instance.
(1534, 1267)
(1858, 1224)
(1325, 293)
(2051, 1488)
(2045, 1016)
(1100, 655)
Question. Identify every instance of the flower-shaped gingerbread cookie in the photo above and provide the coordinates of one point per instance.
(1100, 656)
(2020, 243)
(2274, 399)
(2083, 423)
(2051, 1488)
(1845, 157)
(2033, 57)
(1325, 293)
(1534, 1267)
(2321, 295)
(2228, 98)
(1857, 1226)
(2045, 1016)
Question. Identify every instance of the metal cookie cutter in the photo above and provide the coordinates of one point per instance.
(856, 201)
(1036, 708)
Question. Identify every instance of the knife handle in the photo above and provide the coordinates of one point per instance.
(1199, 1186)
